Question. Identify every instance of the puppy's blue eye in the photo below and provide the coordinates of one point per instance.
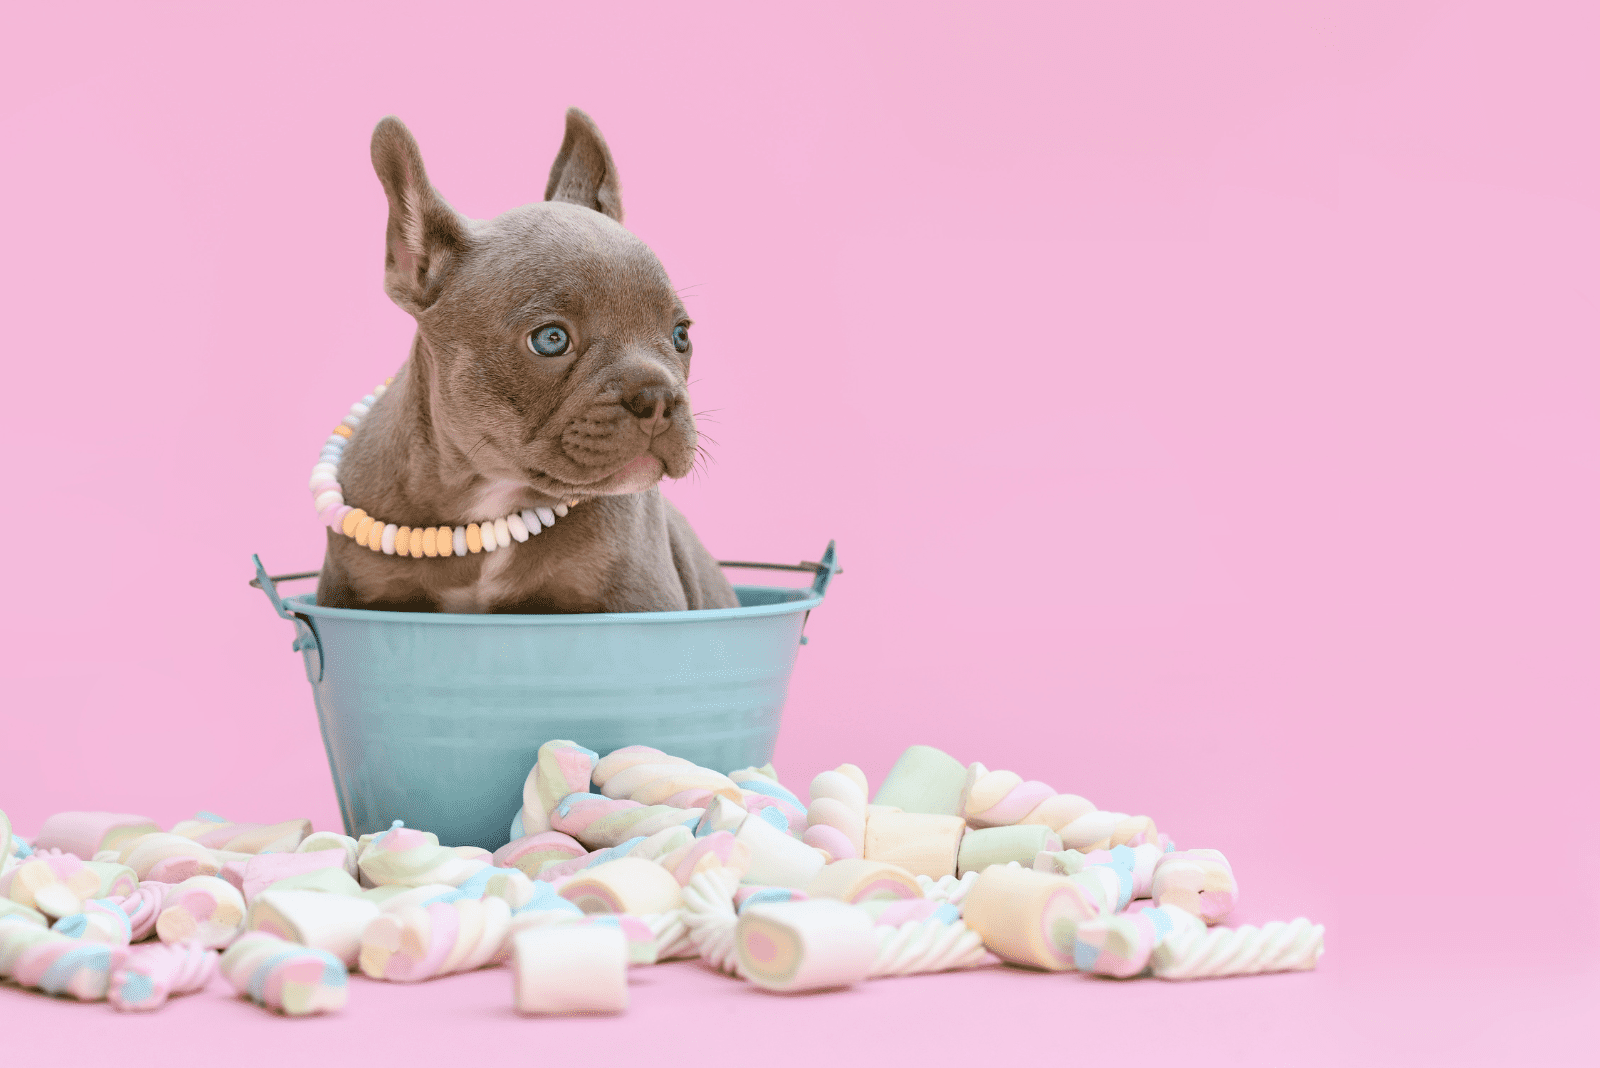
(680, 338)
(549, 341)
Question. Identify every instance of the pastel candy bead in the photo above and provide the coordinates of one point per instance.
(363, 530)
(474, 538)
(627, 885)
(430, 542)
(386, 541)
(925, 780)
(1002, 845)
(417, 942)
(1199, 881)
(517, 528)
(547, 516)
(458, 541)
(153, 973)
(859, 881)
(292, 979)
(530, 519)
(203, 909)
(352, 521)
(570, 968)
(561, 769)
(1027, 917)
(922, 843)
(84, 834)
(817, 944)
(777, 859)
(502, 532)
(329, 922)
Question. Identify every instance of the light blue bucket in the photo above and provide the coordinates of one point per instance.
(435, 718)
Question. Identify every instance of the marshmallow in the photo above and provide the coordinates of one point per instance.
(570, 968)
(708, 910)
(405, 857)
(168, 858)
(203, 909)
(858, 881)
(805, 945)
(143, 907)
(651, 777)
(836, 821)
(84, 834)
(325, 880)
(918, 947)
(948, 889)
(599, 821)
(419, 942)
(1003, 799)
(721, 815)
(214, 832)
(56, 963)
(12, 910)
(58, 884)
(531, 853)
(1027, 917)
(920, 842)
(1002, 845)
(651, 847)
(1120, 945)
(562, 768)
(102, 920)
(924, 780)
(155, 972)
(718, 850)
(332, 923)
(1196, 952)
(1199, 881)
(776, 859)
(264, 870)
(625, 885)
(323, 841)
(292, 979)
(761, 791)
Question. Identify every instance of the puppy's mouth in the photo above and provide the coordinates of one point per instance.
(635, 476)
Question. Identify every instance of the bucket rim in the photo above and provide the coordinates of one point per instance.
(305, 603)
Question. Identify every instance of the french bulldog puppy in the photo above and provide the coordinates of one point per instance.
(549, 366)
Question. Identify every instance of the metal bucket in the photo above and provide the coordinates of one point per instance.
(435, 718)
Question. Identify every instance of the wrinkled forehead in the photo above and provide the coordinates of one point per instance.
(565, 259)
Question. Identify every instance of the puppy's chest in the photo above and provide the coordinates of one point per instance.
(494, 586)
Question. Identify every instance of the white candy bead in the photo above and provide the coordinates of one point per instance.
(326, 498)
(561, 509)
(516, 527)
(530, 519)
(486, 533)
(502, 531)
(546, 516)
(359, 409)
(388, 538)
(378, 391)
(458, 541)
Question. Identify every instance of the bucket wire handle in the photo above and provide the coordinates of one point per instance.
(306, 636)
(823, 570)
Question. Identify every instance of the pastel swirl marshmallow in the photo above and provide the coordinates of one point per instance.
(143, 907)
(402, 856)
(857, 881)
(562, 768)
(1199, 881)
(153, 973)
(417, 942)
(794, 946)
(836, 821)
(717, 850)
(708, 910)
(1203, 953)
(56, 963)
(649, 776)
(1029, 917)
(1003, 799)
(292, 979)
(601, 822)
(628, 884)
(204, 909)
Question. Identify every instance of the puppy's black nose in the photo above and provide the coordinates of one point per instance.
(650, 403)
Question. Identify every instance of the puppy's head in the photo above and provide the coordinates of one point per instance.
(554, 348)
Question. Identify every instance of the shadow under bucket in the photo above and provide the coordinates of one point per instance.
(435, 718)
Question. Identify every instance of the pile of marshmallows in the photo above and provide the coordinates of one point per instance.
(631, 859)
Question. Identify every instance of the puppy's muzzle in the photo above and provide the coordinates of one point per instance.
(651, 402)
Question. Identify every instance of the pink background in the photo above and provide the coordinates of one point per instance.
(1203, 398)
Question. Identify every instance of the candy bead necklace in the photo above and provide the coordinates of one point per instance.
(380, 536)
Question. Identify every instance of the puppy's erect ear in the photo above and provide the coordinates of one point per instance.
(583, 172)
(426, 237)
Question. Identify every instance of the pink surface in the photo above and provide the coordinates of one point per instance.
(1202, 396)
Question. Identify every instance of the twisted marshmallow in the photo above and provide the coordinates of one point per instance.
(168, 858)
(1120, 946)
(947, 888)
(720, 849)
(645, 847)
(417, 942)
(1003, 799)
(401, 856)
(1196, 880)
(763, 795)
(600, 822)
(56, 963)
(1201, 953)
(532, 853)
(921, 946)
(649, 776)
(102, 920)
(284, 977)
(58, 884)
(153, 973)
(214, 832)
(563, 767)
(143, 906)
(836, 821)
